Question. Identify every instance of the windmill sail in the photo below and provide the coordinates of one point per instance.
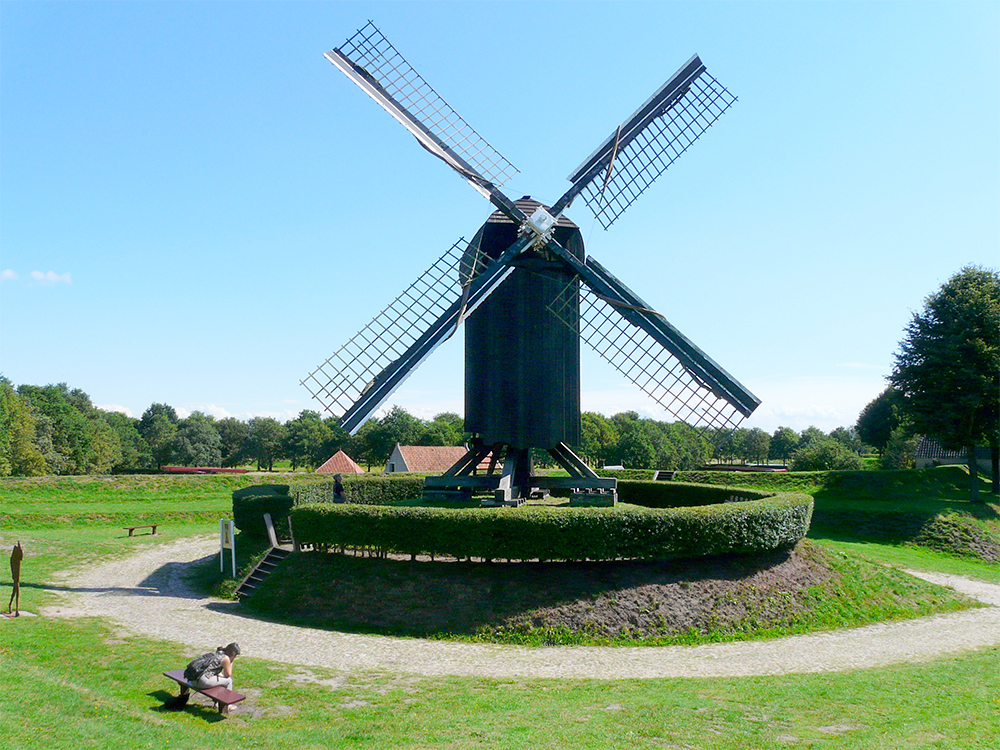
(370, 60)
(358, 378)
(655, 356)
(652, 139)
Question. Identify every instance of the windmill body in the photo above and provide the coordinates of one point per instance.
(522, 360)
(529, 294)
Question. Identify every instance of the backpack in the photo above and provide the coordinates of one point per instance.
(210, 662)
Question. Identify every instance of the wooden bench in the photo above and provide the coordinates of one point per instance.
(223, 697)
(131, 529)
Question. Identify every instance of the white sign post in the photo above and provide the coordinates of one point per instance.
(227, 540)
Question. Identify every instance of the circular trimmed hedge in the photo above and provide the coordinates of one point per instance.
(550, 533)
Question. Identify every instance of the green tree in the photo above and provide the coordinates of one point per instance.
(446, 428)
(62, 429)
(784, 441)
(197, 441)
(304, 439)
(732, 448)
(19, 454)
(598, 437)
(688, 448)
(265, 436)
(899, 449)
(947, 369)
(809, 434)
(636, 448)
(848, 437)
(158, 427)
(232, 439)
(878, 419)
(397, 426)
(755, 446)
(135, 452)
(105, 446)
(365, 446)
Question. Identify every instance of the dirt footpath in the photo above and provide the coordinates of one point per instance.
(146, 594)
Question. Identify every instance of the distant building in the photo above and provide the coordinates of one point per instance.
(426, 459)
(340, 463)
(930, 453)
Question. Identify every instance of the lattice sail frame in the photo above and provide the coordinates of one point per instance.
(350, 371)
(650, 367)
(637, 165)
(369, 50)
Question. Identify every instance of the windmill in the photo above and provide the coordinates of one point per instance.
(528, 293)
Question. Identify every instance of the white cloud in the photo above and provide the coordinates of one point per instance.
(51, 277)
(8, 275)
(826, 402)
(216, 411)
(115, 407)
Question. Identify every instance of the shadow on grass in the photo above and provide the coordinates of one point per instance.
(895, 506)
(170, 705)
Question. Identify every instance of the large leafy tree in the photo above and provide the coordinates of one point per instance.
(447, 428)
(397, 426)
(879, 418)
(265, 441)
(598, 437)
(232, 434)
(19, 454)
(305, 437)
(158, 427)
(197, 442)
(63, 432)
(636, 448)
(848, 437)
(755, 446)
(135, 452)
(783, 444)
(948, 366)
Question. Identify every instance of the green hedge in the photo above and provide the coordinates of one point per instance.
(364, 490)
(682, 494)
(633, 474)
(251, 503)
(546, 533)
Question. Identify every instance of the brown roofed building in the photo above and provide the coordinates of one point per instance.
(340, 463)
(426, 459)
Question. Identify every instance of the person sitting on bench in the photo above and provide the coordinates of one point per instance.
(210, 670)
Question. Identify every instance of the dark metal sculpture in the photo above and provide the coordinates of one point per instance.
(16, 555)
(529, 293)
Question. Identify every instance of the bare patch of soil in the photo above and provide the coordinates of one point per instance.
(633, 599)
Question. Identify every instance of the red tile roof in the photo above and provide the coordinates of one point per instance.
(340, 463)
(431, 458)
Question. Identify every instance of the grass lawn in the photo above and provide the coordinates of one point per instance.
(79, 683)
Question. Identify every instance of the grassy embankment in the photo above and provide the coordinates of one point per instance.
(79, 683)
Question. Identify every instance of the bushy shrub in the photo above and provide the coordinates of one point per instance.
(365, 490)
(825, 454)
(251, 503)
(547, 533)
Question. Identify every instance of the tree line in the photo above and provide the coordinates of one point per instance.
(54, 429)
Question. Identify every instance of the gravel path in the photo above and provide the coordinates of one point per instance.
(146, 594)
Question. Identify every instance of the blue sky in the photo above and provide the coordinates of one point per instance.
(196, 208)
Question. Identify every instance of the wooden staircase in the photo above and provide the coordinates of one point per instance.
(262, 570)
